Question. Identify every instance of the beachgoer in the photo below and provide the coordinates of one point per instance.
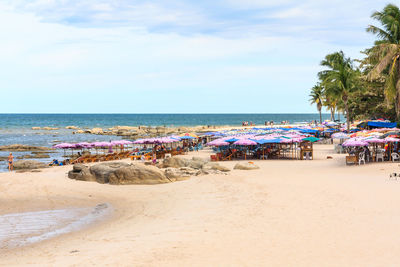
(11, 162)
(154, 159)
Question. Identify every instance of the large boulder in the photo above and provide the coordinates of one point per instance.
(245, 166)
(102, 171)
(212, 166)
(29, 165)
(82, 173)
(187, 171)
(175, 174)
(175, 162)
(196, 164)
(138, 174)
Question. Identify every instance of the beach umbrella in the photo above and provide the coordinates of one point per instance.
(189, 134)
(218, 142)
(312, 139)
(355, 142)
(187, 137)
(340, 135)
(375, 140)
(392, 139)
(245, 142)
(231, 140)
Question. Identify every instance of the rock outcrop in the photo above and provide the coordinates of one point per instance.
(212, 166)
(102, 171)
(121, 173)
(82, 173)
(72, 127)
(19, 147)
(245, 166)
(138, 174)
(34, 156)
(175, 162)
(28, 165)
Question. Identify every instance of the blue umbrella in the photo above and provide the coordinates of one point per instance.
(187, 137)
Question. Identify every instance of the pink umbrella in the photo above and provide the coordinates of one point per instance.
(83, 145)
(64, 146)
(245, 142)
(218, 142)
(392, 139)
(375, 140)
(140, 141)
(102, 144)
(355, 142)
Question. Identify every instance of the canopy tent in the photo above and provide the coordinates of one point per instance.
(382, 124)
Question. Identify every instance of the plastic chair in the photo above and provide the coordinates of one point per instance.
(361, 158)
(395, 156)
(379, 156)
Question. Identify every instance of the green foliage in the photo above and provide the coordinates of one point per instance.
(373, 89)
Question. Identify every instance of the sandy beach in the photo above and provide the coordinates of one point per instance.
(287, 213)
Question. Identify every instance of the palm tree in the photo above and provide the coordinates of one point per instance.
(317, 97)
(385, 55)
(340, 78)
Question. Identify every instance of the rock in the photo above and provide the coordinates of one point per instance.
(214, 166)
(96, 131)
(175, 162)
(3, 158)
(80, 132)
(175, 174)
(196, 164)
(102, 171)
(82, 173)
(245, 166)
(72, 127)
(329, 157)
(205, 160)
(190, 171)
(29, 165)
(19, 147)
(35, 128)
(34, 156)
(138, 174)
(50, 128)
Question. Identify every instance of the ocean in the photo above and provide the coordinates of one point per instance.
(17, 128)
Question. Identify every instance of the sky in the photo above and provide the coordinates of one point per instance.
(172, 56)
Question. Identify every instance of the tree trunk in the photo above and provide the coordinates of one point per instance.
(320, 116)
(347, 116)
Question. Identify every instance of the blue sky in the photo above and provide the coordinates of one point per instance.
(177, 56)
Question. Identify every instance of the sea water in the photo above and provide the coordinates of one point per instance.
(20, 229)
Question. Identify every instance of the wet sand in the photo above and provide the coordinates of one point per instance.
(287, 213)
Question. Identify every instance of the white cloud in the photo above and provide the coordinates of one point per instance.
(94, 49)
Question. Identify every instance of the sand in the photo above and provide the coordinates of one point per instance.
(287, 213)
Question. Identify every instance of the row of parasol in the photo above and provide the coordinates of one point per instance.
(252, 140)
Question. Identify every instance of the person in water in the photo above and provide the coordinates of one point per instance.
(11, 162)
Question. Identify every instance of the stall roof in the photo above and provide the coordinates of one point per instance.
(382, 124)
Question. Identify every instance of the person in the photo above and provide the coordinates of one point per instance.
(154, 159)
(54, 163)
(11, 162)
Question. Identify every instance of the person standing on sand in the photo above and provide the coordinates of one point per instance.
(10, 162)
